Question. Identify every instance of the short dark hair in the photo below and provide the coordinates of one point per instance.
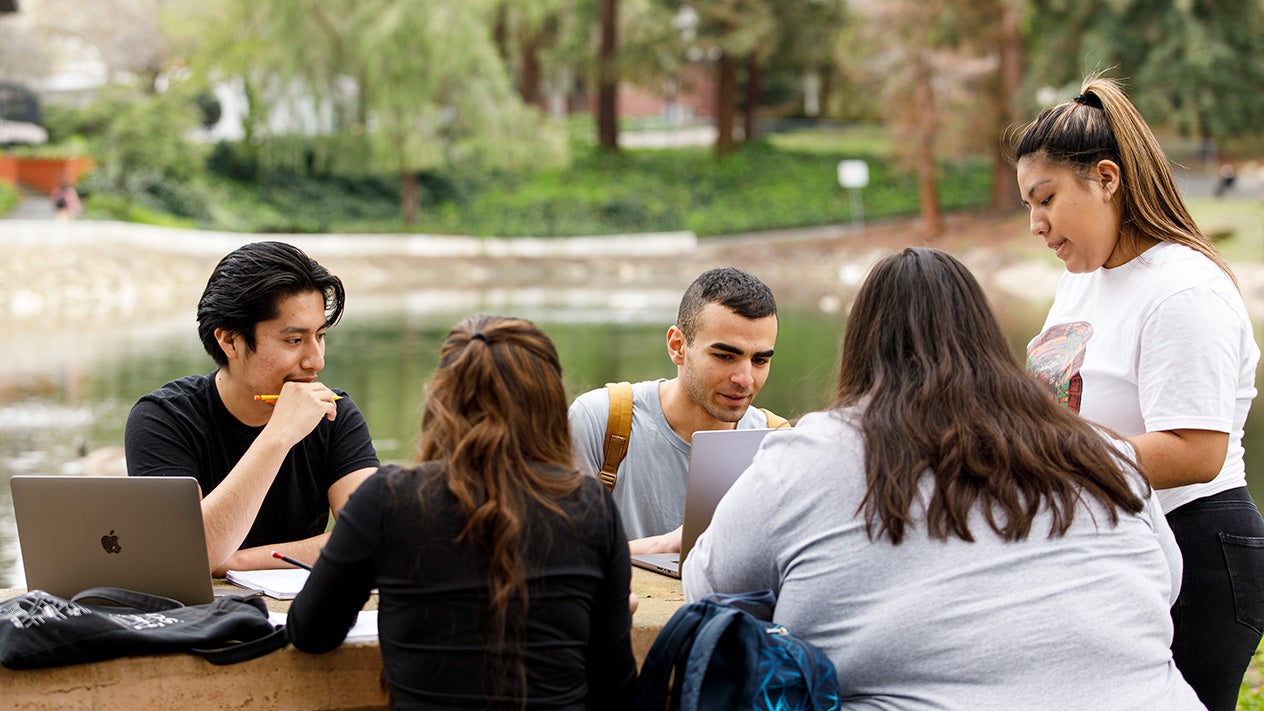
(248, 286)
(740, 292)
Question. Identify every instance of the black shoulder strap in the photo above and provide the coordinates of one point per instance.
(247, 650)
(127, 598)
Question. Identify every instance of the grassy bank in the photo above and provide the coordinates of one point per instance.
(788, 180)
(8, 197)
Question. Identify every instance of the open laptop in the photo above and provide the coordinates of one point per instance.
(139, 533)
(716, 459)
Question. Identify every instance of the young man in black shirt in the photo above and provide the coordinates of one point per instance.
(270, 471)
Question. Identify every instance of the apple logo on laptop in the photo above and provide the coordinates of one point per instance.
(110, 543)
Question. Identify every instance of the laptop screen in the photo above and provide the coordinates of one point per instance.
(138, 533)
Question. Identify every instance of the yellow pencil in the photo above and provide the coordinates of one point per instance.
(273, 398)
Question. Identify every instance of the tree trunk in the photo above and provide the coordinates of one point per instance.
(409, 203)
(607, 78)
(827, 89)
(531, 73)
(754, 96)
(924, 111)
(500, 33)
(725, 104)
(1006, 85)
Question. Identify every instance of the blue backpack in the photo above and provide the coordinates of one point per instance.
(726, 654)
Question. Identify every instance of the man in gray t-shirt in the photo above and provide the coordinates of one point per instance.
(722, 344)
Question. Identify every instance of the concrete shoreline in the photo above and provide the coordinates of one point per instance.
(93, 277)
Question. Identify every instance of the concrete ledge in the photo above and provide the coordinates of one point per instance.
(346, 678)
(202, 242)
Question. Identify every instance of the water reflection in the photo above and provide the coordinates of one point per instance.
(382, 353)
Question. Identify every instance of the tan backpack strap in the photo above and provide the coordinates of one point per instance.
(618, 431)
(774, 420)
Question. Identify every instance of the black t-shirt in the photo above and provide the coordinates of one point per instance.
(183, 429)
(399, 532)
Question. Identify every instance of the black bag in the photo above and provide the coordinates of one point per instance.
(718, 655)
(41, 630)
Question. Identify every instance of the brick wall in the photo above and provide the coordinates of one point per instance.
(45, 174)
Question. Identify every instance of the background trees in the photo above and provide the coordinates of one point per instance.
(1195, 66)
(405, 87)
(384, 85)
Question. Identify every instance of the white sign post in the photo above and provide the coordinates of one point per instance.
(854, 175)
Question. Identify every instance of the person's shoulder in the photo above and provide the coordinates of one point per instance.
(645, 387)
(180, 391)
(407, 474)
(1181, 270)
(394, 479)
(590, 503)
(831, 428)
(597, 400)
(1179, 265)
(592, 397)
(347, 408)
(589, 411)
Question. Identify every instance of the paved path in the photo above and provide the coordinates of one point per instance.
(32, 206)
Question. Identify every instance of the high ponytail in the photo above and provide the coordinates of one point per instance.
(1102, 124)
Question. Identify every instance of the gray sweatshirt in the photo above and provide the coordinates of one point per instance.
(1075, 622)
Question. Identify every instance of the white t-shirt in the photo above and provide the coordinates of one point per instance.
(1160, 343)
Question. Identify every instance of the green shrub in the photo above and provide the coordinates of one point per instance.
(779, 183)
(8, 198)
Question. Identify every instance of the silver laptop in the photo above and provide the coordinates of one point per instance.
(139, 533)
(716, 459)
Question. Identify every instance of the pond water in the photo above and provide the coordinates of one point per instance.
(51, 412)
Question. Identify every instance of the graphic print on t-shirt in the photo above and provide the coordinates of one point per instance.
(1055, 357)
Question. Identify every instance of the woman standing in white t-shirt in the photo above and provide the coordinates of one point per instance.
(1148, 336)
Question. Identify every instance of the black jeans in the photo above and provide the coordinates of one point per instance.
(1219, 616)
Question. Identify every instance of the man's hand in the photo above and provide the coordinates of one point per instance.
(298, 410)
(666, 543)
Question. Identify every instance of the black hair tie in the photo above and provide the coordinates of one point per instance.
(479, 335)
(1092, 100)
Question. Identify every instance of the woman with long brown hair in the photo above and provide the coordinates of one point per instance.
(503, 573)
(1149, 336)
(945, 532)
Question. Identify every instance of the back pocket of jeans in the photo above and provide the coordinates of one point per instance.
(1244, 559)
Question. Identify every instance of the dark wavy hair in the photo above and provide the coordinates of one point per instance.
(496, 418)
(248, 286)
(940, 394)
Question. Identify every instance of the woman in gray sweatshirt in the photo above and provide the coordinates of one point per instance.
(945, 532)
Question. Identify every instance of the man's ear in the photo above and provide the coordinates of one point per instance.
(230, 342)
(1108, 176)
(676, 345)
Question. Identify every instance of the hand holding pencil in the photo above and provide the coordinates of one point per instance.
(297, 409)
